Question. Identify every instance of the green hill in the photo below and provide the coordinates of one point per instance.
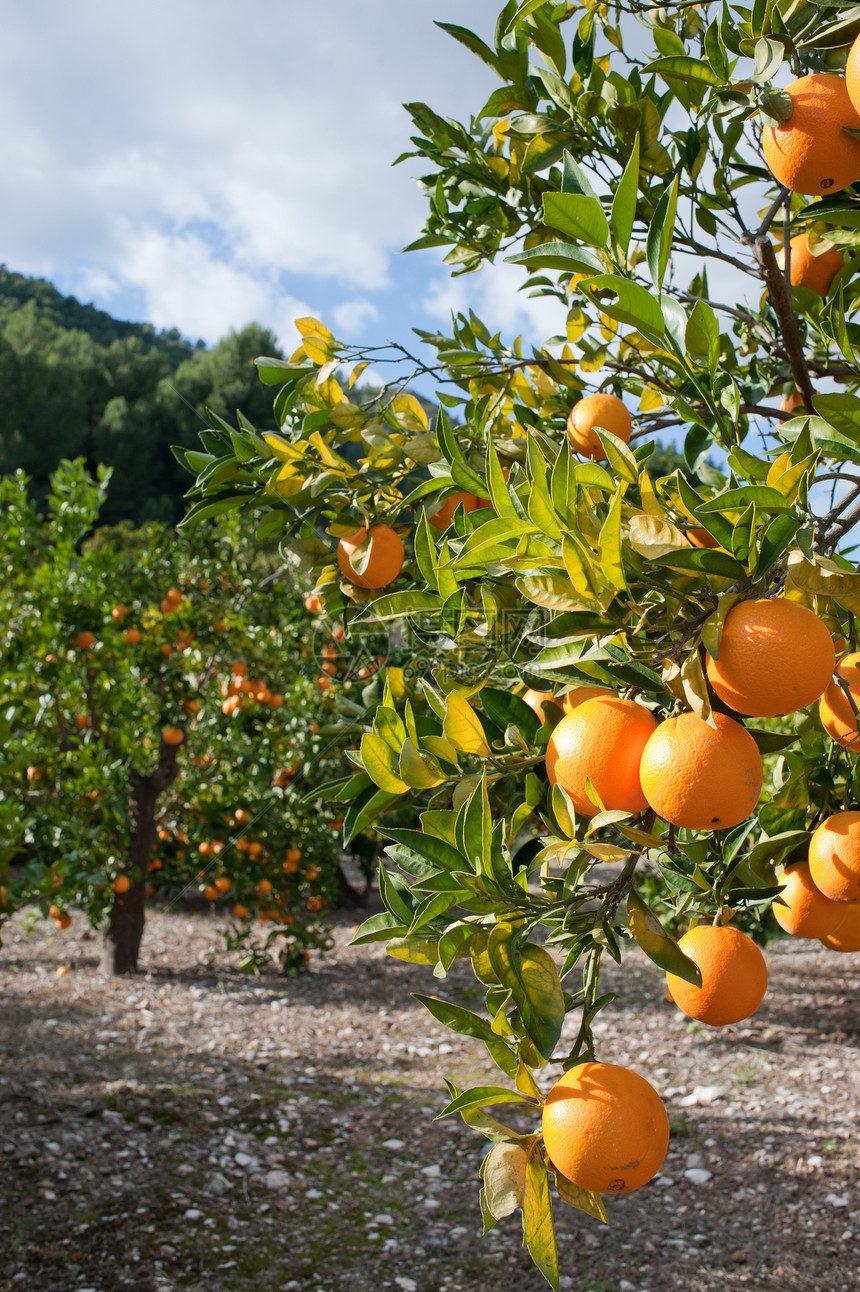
(75, 382)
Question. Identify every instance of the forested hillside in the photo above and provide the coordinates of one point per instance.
(75, 382)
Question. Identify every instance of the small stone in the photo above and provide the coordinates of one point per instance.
(193, 1214)
(815, 1161)
(445, 1048)
(405, 1284)
(432, 1172)
(695, 1159)
(218, 1184)
(837, 1199)
(625, 1286)
(846, 1234)
(701, 1095)
(698, 1175)
(393, 1144)
(313, 1193)
(664, 1181)
(242, 1159)
(382, 1219)
(276, 1180)
(431, 1204)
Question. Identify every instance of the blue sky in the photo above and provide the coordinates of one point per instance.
(194, 165)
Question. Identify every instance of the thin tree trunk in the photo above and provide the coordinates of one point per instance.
(128, 912)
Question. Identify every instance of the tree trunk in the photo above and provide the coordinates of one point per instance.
(128, 912)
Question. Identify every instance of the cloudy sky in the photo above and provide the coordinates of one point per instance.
(202, 164)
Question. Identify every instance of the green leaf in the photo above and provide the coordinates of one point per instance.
(579, 217)
(531, 974)
(378, 928)
(462, 726)
(632, 304)
(483, 1097)
(429, 847)
(369, 805)
(619, 456)
(623, 214)
(581, 1199)
(765, 497)
(538, 1225)
(660, 231)
(381, 764)
(475, 44)
(682, 68)
(657, 944)
(506, 709)
(702, 336)
(413, 950)
(557, 255)
(399, 605)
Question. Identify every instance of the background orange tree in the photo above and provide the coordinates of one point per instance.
(161, 711)
(619, 162)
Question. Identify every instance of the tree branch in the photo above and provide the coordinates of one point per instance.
(781, 301)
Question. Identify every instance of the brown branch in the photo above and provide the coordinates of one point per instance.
(781, 301)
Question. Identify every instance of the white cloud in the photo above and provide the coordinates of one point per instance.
(493, 293)
(204, 154)
(351, 318)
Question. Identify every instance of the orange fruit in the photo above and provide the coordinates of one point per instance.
(294, 854)
(442, 518)
(792, 402)
(291, 867)
(222, 883)
(384, 562)
(699, 777)
(241, 815)
(264, 886)
(132, 636)
(602, 740)
(852, 74)
(834, 857)
(86, 640)
(313, 604)
(834, 708)
(701, 538)
(605, 1128)
(173, 595)
(166, 649)
(734, 975)
(240, 911)
(810, 152)
(338, 632)
(329, 652)
(276, 700)
(211, 893)
(35, 773)
(82, 721)
(606, 411)
(807, 913)
(64, 920)
(204, 848)
(121, 884)
(118, 612)
(775, 657)
(315, 903)
(172, 735)
(810, 270)
(328, 668)
(846, 935)
(537, 699)
(577, 695)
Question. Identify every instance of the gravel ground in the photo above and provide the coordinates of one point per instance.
(197, 1129)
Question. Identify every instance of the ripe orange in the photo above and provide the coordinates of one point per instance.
(204, 848)
(792, 402)
(132, 636)
(602, 740)
(810, 152)
(734, 975)
(82, 721)
(577, 695)
(118, 612)
(222, 883)
(807, 913)
(701, 538)
(232, 704)
(173, 595)
(291, 866)
(385, 560)
(809, 270)
(775, 657)
(606, 411)
(240, 911)
(86, 640)
(834, 708)
(264, 886)
(442, 518)
(537, 699)
(701, 778)
(172, 735)
(121, 884)
(605, 1128)
(294, 854)
(276, 700)
(35, 773)
(211, 893)
(846, 935)
(834, 857)
(167, 649)
(315, 903)
(852, 74)
(242, 816)
(63, 921)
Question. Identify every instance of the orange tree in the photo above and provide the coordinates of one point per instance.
(611, 680)
(160, 712)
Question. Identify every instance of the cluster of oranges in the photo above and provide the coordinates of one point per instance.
(821, 897)
(775, 657)
(239, 689)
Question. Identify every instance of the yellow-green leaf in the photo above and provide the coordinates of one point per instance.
(381, 764)
(462, 726)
